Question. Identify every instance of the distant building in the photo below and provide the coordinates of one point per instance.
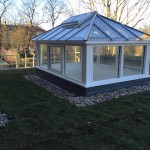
(18, 36)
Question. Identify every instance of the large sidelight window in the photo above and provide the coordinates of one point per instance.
(73, 62)
(55, 58)
(133, 60)
(105, 62)
(43, 55)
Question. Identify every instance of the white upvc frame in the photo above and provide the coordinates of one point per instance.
(146, 57)
(121, 58)
(89, 66)
(81, 61)
(49, 61)
(38, 54)
(140, 42)
(146, 60)
(62, 72)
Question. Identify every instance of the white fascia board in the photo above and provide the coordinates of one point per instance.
(117, 80)
(73, 42)
(140, 42)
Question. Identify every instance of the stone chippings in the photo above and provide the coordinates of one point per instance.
(3, 119)
(91, 100)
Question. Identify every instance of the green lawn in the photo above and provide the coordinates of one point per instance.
(41, 121)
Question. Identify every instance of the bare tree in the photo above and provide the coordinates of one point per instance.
(54, 9)
(4, 4)
(29, 12)
(72, 8)
(30, 19)
(145, 28)
(89, 4)
(125, 11)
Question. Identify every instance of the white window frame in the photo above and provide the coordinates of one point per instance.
(118, 61)
(81, 58)
(61, 73)
(38, 51)
(49, 60)
(143, 58)
(89, 66)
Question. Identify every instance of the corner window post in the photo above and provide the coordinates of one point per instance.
(89, 65)
(37, 55)
(121, 59)
(63, 59)
(48, 56)
(146, 62)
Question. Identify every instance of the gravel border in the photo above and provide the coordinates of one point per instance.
(3, 119)
(91, 100)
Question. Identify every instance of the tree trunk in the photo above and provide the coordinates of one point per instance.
(108, 9)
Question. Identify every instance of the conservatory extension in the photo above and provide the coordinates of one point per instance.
(90, 53)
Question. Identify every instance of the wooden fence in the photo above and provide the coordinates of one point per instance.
(14, 61)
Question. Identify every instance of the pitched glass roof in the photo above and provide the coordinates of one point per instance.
(91, 26)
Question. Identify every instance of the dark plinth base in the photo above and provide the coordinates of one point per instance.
(82, 91)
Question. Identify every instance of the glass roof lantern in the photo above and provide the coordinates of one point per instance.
(89, 27)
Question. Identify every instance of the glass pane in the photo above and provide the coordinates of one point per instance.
(53, 34)
(81, 17)
(80, 35)
(61, 34)
(43, 55)
(105, 62)
(55, 58)
(139, 33)
(70, 19)
(75, 30)
(73, 62)
(133, 60)
(121, 29)
(96, 33)
(47, 34)
(107, 29)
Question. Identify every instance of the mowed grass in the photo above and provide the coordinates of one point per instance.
(41, 121)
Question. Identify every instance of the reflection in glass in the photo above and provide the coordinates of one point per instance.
(133, 60)
(55, 58)
(73, 62)
(105, 62)
(43, 55)
(96, 33)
